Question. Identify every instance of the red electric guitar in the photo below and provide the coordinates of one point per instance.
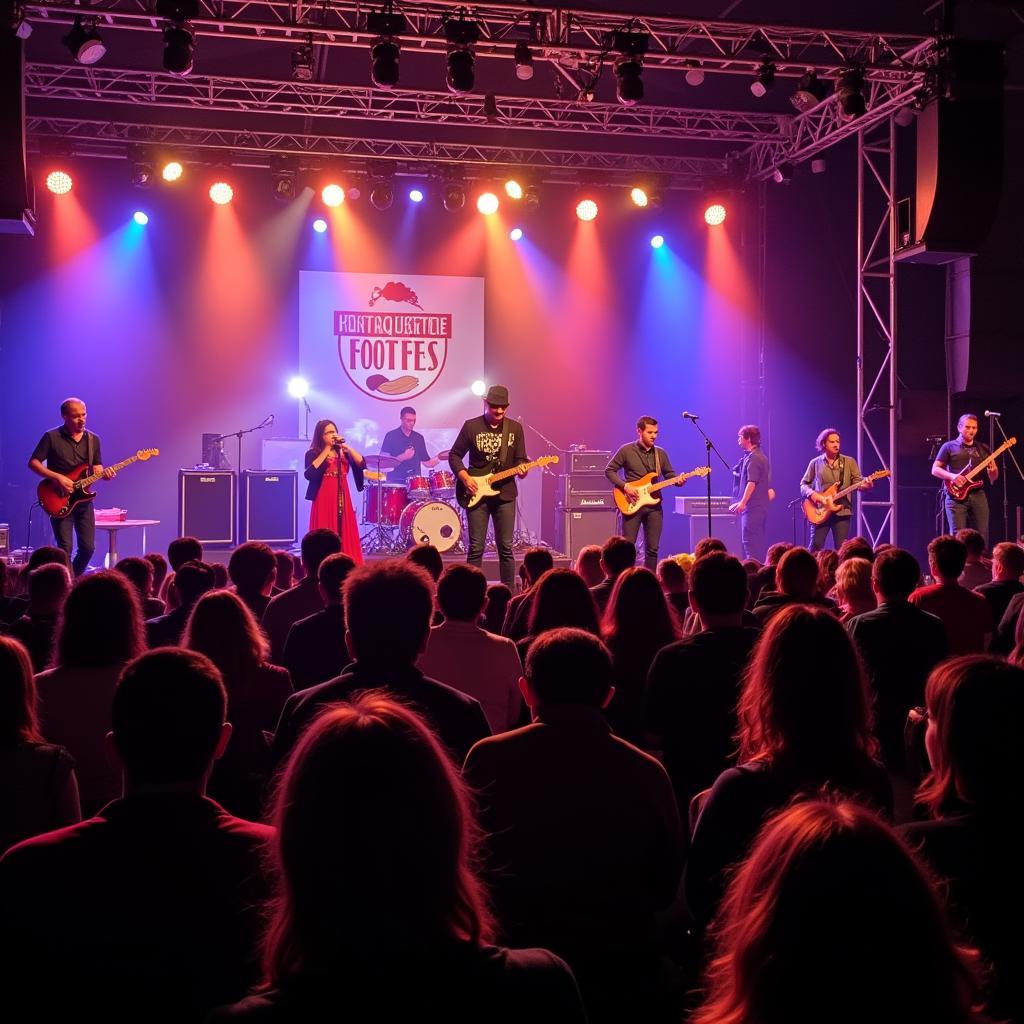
(59, 505)
(960, 493)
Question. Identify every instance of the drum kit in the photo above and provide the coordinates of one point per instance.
(421, 511)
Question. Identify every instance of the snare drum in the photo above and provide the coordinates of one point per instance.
(384, 504)
(430, 522)
(442, 483)
(417, 488)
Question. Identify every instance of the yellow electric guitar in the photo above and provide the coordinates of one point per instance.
(647, 490)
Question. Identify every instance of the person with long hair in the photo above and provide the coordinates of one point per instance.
(561, 598)
(805, 726)
(38, 788)
(100, 630)
(224, 628)
(328, 463)
(380, 913)
(637, 624)
(973, 797)
(831, 918)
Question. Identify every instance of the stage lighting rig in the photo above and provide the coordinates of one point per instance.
(382, 193)
(629, 66)
(84, 41)
(850, 93)
(531, 198)
(764, 79)
(694, 73)
(179, 37)
(302, 63)
(453, 197)
(524, 61)
(172, 170)
(284, 176)
(59, 182)
(810, 91)
(142, 171)
(385, 50)
(461, 35)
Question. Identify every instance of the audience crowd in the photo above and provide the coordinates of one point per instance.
(725, 793)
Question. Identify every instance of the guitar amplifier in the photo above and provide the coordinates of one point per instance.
(586, 462)
(5, 541)
(206, 505)
(269, 500)
(576, 528)
(697, 505)
(585, 490)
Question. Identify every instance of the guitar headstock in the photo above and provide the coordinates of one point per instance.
(146, 453)
(547, 460)
(699, 471)
(880, 474)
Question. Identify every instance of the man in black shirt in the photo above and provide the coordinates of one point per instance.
(408, 446)
(636, 460)
(63, 449)
(494, 443)
(953, 460)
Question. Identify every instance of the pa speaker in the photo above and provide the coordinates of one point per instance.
(269, 499)
(578, 527)
(16, 197)
(206, 505)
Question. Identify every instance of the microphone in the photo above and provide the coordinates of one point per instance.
(690, 416)
(989, 412)
(270, 419)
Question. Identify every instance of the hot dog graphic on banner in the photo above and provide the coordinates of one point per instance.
(370, 344)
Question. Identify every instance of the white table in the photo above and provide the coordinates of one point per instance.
(112, 526)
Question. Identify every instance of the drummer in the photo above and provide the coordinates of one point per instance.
(408, 447)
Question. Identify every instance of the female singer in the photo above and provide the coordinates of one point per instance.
(327, 464)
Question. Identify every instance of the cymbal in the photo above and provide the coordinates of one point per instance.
(380, 461)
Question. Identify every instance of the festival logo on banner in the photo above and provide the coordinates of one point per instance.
(392, 354)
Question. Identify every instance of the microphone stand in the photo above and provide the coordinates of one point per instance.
(794, 505)
(709, 447)
(519, 538)
(239, 433)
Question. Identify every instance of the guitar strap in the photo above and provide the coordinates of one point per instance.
(88, 451)
(657, 463)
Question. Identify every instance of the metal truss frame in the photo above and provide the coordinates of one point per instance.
(877, 327)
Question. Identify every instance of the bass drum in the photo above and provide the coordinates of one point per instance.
(430, 522)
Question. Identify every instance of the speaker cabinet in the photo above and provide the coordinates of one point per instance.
(207, 505)
(725, 528)
(576, 528)
(269, 500)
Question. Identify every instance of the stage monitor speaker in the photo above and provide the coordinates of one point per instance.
(725, 528)
(206, 505)
(17, 197)
(578, 527)
(269, 500)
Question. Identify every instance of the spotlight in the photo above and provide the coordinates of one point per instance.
(298, 387)
(454, 198)
(221, 193)
(319, 225)
(586, 209)
(172, 170)
(333, 195)
(84, 42)
(487, 203)
(141, 173)
(524, 61)
(694, 74)
(714, 215)
(416, 195)
(657, 241)
(283, 181)
(810, 91)
(513, 189)
(353, 192)
(384, 63)
(382, 194)
(515, 234)
(302, 63)
(904, 117)
(531, 198)
(479, 388)
(179, 49)
(140, 218)
(461, 35)
(850, 90)
(639, 196)
(783, 174)
(629, 66)
(59, 182)
(764, 80)
(22, 27)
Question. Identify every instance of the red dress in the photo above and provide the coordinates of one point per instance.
(332, 508)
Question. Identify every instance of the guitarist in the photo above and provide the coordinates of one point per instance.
(636, 460)
(952, 461)
(494, 443)
(63, 449)
(831, 467)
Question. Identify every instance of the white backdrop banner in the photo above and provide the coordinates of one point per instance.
(370, 344)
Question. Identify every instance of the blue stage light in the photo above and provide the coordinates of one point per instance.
(320, 225)
(657, 241)
(416, 195)
(140, 218)
(515, 234)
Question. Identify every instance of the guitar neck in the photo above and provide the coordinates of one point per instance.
(984, 462)
(506, 473)
(668, 483)
(86, 480)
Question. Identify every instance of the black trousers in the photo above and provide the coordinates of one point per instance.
(82, 524)
(839, 527)
(503, 515)
(972, 512)
(650, 518)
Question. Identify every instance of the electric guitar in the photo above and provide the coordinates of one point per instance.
(485, 482)
(961, 493)
(60, 505)
(647, 490)
(818, 511)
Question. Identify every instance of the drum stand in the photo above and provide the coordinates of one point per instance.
(380, 539)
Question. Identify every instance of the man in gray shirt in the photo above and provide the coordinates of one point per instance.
(636, 460)
(829, 468)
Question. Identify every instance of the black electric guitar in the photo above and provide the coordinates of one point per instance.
(485, 482)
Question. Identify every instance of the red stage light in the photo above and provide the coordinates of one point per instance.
(221, 193)
(714, 215)
(59, 182)
(586, 209)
